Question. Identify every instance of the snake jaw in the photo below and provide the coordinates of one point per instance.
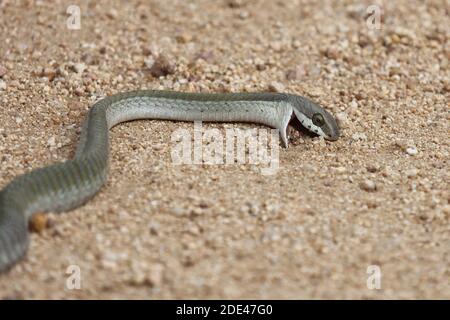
(284, 127)
(308, 111)
(284, 138)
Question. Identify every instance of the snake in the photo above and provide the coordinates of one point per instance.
(67, 185)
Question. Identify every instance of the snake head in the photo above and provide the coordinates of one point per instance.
(315, 118)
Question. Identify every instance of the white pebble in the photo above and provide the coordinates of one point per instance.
(79, 67)
(412, 151)
(411, 173)
(341, 117)
(368, 185)
(51, 141)
(359, 136)
(177, 211)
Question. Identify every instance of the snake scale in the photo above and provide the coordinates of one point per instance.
(64, 186)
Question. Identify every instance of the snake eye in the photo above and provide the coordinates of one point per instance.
(318, 119)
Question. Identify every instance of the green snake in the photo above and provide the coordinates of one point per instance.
(64, 186)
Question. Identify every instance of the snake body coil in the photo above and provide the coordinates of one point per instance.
(66, 185)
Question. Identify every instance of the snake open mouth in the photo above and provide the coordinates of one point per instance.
(295, 124)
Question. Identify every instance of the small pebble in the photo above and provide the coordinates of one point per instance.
(342, 118)
(411, 173)
(372, 168)
(276, 87)
(412, 151)
(38, 222)
(51, 142)
(183, 37)
(332, 53)
(235, 3)
(78, 68)
(244, 15)
(295, 74)
(158, 147)
(359, 136)
(154, 228)
(78, 91)
(177, 211)
(446, 209)
(112, 14)
(353, 104)
(161, 67)
(368, 185)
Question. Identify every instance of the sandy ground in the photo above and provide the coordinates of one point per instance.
(377, 197)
